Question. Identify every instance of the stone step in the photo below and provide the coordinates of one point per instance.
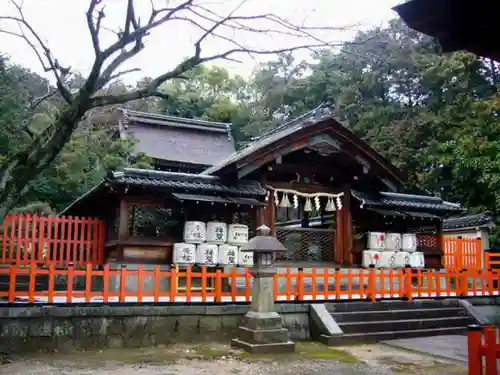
(336, 307)
(356, 338)
(424, 313)
(403, 325)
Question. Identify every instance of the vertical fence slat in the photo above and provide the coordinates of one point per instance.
(12, 283)
(60, 249)
(490, 338)
(474, 342)
(5, 233)
(52, 274)
(88, 242)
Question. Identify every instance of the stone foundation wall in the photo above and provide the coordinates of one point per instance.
(66, 328)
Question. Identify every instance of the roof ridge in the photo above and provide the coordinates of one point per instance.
(179, 121)
(319, 109)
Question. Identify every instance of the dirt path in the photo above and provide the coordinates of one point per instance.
(309, 359)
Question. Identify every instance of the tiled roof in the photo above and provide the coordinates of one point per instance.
(406, 202)
(184, 182)
(482, 220)
(308, 119)
(178, 139)
(323, 114)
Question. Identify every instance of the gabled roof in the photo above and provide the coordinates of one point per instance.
(317, 121)
(177, 139)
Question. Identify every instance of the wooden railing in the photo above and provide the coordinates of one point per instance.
(463, 253)
(51, 240)
(483, 342)
(50, 285)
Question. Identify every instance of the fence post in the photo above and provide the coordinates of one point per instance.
(218, 286)
(408, 283)
(12, 283)
(490, 338)
(123, 284)
(372, 283)
(474, 342)
(300, 285)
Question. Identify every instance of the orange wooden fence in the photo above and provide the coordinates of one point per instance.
(52, 240)
(483, 342)
(463, 253)
(38, 285)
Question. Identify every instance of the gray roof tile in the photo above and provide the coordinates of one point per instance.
(179, 139)
(407, 202)
(185, 182)
(479, 220)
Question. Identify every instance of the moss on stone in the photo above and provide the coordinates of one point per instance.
(309, 350)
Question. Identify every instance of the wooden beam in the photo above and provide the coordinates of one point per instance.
(306, 170)
(305, 188)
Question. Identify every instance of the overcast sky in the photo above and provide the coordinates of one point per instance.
(62, 24)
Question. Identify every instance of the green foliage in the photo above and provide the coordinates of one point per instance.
(434, 115)
(82, 163)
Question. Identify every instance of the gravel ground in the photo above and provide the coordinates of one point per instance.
(309, 359)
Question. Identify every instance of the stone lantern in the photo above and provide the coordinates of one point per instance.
(261, 330)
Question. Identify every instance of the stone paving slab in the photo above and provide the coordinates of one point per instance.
(448, 346)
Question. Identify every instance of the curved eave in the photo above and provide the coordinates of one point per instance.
(291, 135)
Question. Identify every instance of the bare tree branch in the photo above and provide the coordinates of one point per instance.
(21, 167)
(49, 63)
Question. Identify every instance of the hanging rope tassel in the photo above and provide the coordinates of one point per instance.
(285, 202)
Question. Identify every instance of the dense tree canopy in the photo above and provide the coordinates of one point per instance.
(434, 115)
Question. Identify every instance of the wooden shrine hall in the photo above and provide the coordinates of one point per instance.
(311, 168)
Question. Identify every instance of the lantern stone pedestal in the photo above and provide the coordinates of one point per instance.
(262, 330)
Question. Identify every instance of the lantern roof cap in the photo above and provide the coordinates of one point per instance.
(263, 242)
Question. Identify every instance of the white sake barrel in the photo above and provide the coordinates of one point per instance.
(409, 242)
(376, 241)
(228, 255)
(195, 232)
(417, 259)
(245, 258)
(216, 232)
(393, 241)
(387, 259)
(207, 254)
(237, 234)
(370, 258)
(401, 259)
(184, 253)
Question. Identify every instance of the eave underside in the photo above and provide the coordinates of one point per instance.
(457, 25)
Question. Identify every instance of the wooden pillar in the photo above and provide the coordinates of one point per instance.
(271, 214)
(260, 214)
(347, 225)
(123, 226)
(440, 243)
(339, 237)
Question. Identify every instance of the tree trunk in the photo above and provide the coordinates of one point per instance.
(25, 165)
